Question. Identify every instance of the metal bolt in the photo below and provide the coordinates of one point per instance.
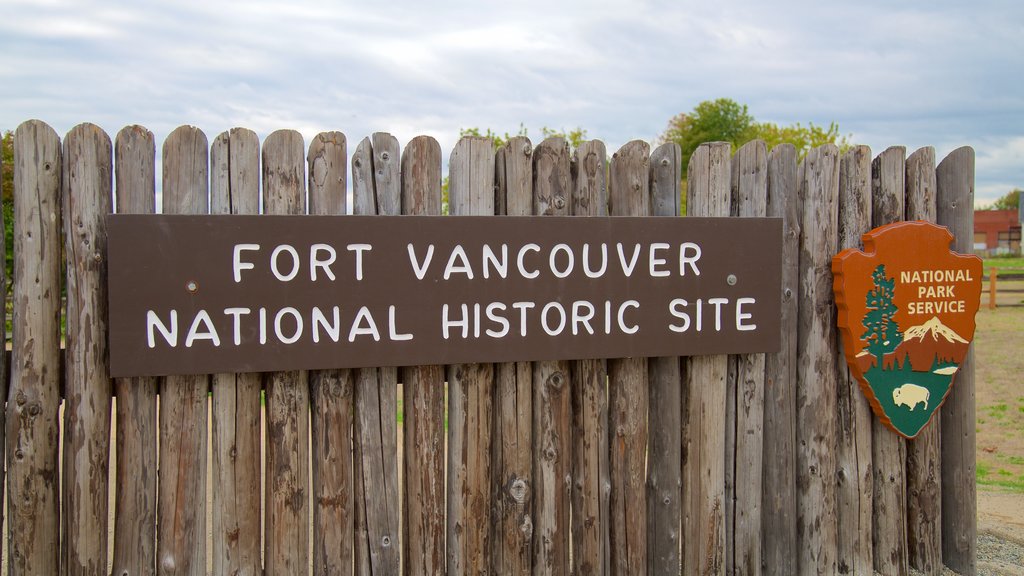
(731, 279)
(192, 286)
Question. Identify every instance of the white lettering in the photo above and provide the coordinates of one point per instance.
(315, 262)
(359, 249)
(210, 333)
(295, 263)
(154, 322)
(237, 265)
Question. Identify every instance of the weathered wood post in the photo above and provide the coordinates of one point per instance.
(235, 413)
(552, 419)
(816, 364)
(889, 450)
(32, 428)
(135, 473)
(181, 503)
(954, 180)
(87, 199)
(376, 190)
(855, 490)
(423, 395)
(512, 469)
(628, 389)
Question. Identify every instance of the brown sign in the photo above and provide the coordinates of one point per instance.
(204, 294)
(906, 310)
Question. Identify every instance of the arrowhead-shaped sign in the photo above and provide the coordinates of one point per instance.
(906, 312)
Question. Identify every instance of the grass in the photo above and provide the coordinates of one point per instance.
(999, 341)
(1003, 262)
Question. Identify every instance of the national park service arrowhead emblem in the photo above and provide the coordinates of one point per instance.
(906, 313)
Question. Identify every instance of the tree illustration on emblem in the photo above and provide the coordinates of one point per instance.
(882, 335)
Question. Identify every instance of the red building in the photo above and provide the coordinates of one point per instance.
(996, 231)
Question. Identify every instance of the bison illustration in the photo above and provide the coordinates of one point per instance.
(910, 395)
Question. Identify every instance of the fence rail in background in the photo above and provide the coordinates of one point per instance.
(745, 464)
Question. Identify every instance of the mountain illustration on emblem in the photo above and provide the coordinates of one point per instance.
(907, 319)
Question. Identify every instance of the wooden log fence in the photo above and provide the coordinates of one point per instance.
(712, 465)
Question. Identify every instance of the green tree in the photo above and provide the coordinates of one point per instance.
(1008, 201)
(725, 120)
(883, 334)
(574, 137)
(7, 187)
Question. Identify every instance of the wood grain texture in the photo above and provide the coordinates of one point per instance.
(954, 185)
(855, 484)
(423, 395)
(470, 390)
(376, 186)
(704, 394)
(889, 539)
(331, 391)
(816, 365)
(4, 380)
(181, 501)
(665, 468)
(552, 402)
(924, 469)
(32, 429)
(512, 468)
(628, 393)
(588, 389)
(87, 199)
(778, 517)
(136, 468)
(235, 411)
(287, 543)
(749, 200)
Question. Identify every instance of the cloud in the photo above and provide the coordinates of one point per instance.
(942, 74)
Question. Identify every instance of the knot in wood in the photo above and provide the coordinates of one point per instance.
(21, 399)
(385, 541)
(556, 380)
(518, 489)
(559, 202)
(19, 454)
(385, 156)
(664, 161)
(527, 149)
(34, 410)
(526, 527)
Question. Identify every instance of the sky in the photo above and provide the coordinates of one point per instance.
(937, 73)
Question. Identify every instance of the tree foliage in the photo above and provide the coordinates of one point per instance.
(1008, 201)
(574, 137)
(725, 120)
(883, 334)
(7, 186)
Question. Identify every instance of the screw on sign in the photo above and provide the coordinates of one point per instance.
(906, 311)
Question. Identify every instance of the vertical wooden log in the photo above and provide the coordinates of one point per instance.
(778, 518)
(3, 357)
(665, 452)
(423, 395)
(924, 469)
(512, 470)
(470, 389)
(136, 469)
(816, 366)
(855, 486)
(552, 404)
(32, 436)
(235, 413)
(954, 183)
(707, 194)
(750, 200)
(181, 503)
(889, 534)
(331, 391)
(87, 199)
(589, 392)
(628, 400)
(376, 186)
(287, 393)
